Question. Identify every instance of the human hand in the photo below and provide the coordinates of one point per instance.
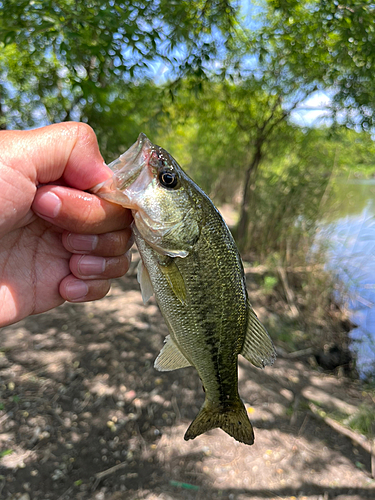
(57, 242)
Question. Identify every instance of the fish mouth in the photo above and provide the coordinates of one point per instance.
(129, 165)
(126, 170)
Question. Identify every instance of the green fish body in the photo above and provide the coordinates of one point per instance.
(189, 260)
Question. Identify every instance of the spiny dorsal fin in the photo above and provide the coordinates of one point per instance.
(174, 279)
(258, 347)
(144, 280)
(170, 357)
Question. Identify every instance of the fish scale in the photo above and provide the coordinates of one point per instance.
(189, 260)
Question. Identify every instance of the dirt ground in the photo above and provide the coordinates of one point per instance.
(84, 415)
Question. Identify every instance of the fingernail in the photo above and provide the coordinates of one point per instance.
(48, 205)
(76, 290)
(89, 265)
(83, 242)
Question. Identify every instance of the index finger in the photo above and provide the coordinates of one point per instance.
(78, 211)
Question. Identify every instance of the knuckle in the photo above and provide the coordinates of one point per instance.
(85, 134)
(80, 132)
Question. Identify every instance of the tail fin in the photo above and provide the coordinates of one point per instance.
(232, 419)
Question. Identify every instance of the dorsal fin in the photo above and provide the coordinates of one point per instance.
(258, 347)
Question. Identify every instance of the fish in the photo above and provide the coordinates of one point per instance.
(190, 262)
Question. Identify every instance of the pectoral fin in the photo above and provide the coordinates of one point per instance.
(170, 357)
(144, 280)
(258, 347)
(174, 279)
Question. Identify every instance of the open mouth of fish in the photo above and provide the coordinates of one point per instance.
(127, 169)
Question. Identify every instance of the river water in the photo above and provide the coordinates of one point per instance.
(351, 232)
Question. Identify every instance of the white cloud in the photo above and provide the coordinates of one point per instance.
(314, 110)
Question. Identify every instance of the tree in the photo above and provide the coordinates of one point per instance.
(58, 58)
(229, 132)
(329, 42)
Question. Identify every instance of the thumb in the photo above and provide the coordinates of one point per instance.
(65, 151)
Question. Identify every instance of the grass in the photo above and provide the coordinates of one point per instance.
(363, 421)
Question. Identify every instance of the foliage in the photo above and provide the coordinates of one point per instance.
(290, 188)
(363, 421)
(269, 283)
(231, 128)
(116, 66)
(286, 202)
(118, 121)
(201, 131)
(354, 153)
(214, 140)
(59, 58)
(330, 43)
(5, 453)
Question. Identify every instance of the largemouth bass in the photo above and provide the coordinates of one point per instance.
(189, 260)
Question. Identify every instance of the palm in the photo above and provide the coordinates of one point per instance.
(33, 262)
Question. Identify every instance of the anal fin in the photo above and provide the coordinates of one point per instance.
(258, 347)
(170, 357)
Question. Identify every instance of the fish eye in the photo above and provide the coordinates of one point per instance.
(168, 179)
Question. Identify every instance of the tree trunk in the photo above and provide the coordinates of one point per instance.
(3, 125)
(248, 187)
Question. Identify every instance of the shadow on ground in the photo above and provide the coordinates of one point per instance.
(84, 415)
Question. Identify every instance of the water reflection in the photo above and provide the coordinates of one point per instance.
(351, 230)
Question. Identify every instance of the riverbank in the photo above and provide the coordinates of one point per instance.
(85, 415)
(298, 308)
